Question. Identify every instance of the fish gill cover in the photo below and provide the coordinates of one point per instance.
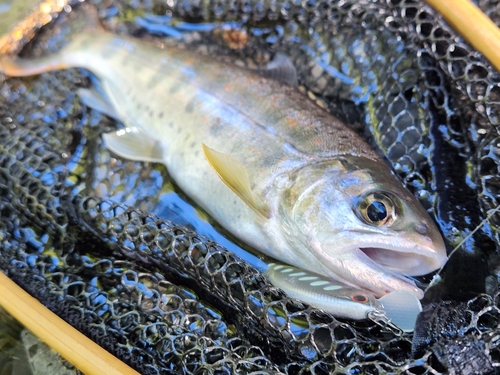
(77, 230)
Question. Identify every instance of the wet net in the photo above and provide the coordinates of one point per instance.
(81, 229)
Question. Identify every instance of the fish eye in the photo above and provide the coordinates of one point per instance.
(359, 298)
(377, 209)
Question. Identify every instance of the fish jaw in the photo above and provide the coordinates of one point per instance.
(355, 268)
(407, 253)
(378, 260)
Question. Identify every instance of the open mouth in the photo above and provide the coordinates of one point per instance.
(377, 270)
(411, 264)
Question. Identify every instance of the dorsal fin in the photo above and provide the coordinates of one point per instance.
(281, 69)
(235, 176)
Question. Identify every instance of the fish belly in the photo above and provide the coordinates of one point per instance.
(173, 100)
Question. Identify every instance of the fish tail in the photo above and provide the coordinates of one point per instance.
(15, 67)
(69, 56)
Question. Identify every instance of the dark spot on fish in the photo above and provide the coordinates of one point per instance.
(139, 105)
(160, 115)
(268, 160)
(107, 53)
(170, 124)
(151, 113)
(215, 130)
(190, 107)
(197, 153)
(85, 43)
(155, 79)
(146, 108)
(174, 89)
(192, 144)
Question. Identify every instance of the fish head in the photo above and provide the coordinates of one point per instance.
(363, 226)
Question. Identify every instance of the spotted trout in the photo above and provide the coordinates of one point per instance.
(274, 169)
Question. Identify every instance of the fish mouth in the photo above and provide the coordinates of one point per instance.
(411, 263)
(357, 269)
(379, 265)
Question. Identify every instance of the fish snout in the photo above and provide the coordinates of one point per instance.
(417, 250)
(416, 255)
(431, 247)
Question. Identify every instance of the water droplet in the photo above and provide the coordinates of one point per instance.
(282, 181)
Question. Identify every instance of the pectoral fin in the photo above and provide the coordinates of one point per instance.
(235, 176)
(134, 144)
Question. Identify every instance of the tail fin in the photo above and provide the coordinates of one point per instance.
(82, 19)
(15, 67)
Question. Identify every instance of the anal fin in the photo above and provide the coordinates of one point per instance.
(134, 144)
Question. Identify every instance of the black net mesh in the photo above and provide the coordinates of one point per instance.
(81, 230)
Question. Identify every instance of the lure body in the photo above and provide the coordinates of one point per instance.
(341, 300)
(400, 307)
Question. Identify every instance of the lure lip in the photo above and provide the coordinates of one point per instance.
(401, 308)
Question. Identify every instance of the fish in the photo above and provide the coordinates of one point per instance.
(270, 166)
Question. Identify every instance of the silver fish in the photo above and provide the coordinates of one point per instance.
(290, 179)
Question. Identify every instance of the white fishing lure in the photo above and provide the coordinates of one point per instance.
(400, 307)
